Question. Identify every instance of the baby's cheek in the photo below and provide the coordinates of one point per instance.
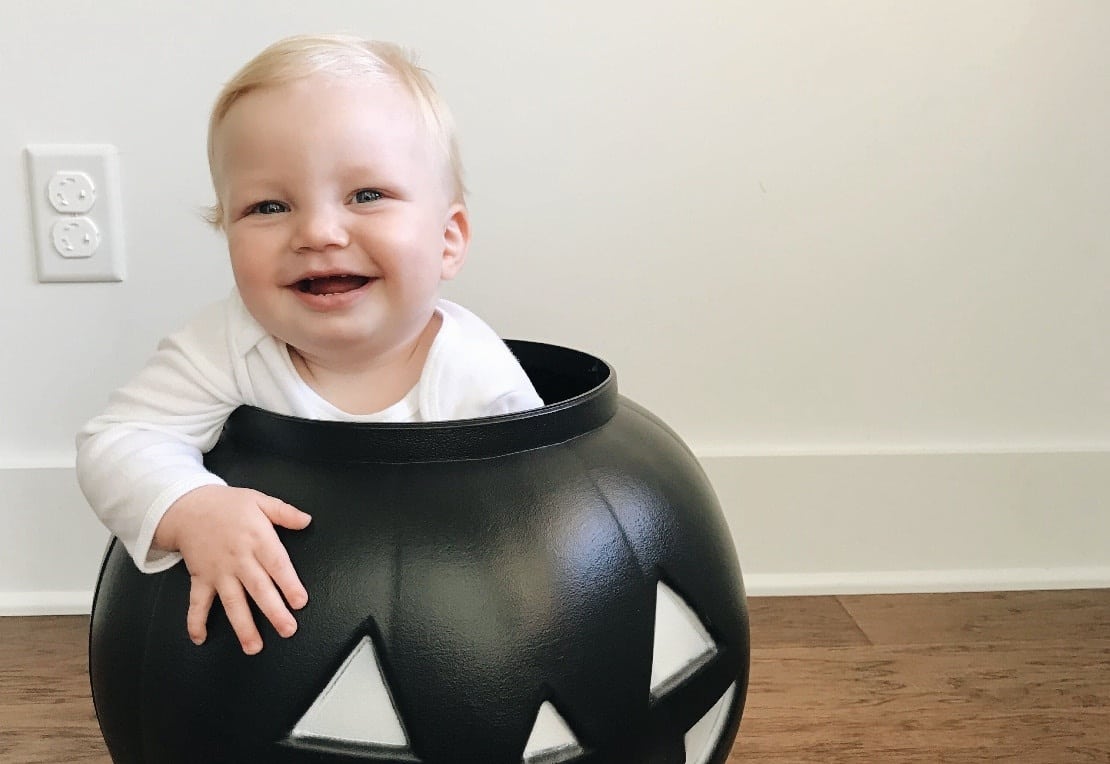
(250, 251)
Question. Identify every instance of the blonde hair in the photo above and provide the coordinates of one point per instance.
(298, 57)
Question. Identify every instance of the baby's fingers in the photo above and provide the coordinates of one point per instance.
(201, 596)
(265, 595)
(234, 600)
(285, 515)
(280, 568)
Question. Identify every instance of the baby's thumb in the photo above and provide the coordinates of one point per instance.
(285, 515)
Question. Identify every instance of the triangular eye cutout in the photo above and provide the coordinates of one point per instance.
(356, 705)
(682, 643)
(551, 741)
(702, 739)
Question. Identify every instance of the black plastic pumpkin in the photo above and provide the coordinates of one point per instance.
(551, 586)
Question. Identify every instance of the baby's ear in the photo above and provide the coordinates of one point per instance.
(456, 240)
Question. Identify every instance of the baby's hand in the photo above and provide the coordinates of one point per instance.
(227, 538)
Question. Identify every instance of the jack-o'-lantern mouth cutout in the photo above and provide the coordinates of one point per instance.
(357, 708)
(557, 586)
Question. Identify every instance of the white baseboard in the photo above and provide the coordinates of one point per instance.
(888, 522)
(925, 581)
(46, 603)
(52, 544)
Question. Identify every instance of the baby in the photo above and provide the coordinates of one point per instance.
(339, 188)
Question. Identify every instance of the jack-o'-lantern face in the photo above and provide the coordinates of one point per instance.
(357, 708)
(551, 588)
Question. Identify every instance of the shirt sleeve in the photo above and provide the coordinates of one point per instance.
(145, 450)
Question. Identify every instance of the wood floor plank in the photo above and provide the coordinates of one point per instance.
(75, 743)
(985, 702)
(801, 622)
(1078, 615)
(934, 679)
(46, 712)
(854, 737)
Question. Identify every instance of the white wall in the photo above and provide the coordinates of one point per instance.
(828, 242)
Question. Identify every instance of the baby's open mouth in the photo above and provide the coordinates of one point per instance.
(331, 284)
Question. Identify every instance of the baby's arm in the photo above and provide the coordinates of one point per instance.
(140, 466)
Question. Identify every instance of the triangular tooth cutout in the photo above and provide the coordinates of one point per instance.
(702, 739)
(681, 641)
(551, 740)
(356, 705)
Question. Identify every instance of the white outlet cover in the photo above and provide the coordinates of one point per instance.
(57, 174)
(75, 236)
(71, 192)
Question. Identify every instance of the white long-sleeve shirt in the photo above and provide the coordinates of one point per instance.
(145, 450)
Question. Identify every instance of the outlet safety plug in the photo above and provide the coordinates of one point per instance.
(75, 236)
(71, 192)
(76, 212)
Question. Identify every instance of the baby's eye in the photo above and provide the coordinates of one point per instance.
(367, 195)
(268, 207)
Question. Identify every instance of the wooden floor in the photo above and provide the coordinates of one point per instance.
(1016, 677)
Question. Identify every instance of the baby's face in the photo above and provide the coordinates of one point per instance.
(340, 223)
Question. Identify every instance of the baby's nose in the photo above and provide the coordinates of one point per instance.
(318, 229)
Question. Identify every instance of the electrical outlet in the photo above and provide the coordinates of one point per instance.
(75, 236)
(71, 192)
(76, 212)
